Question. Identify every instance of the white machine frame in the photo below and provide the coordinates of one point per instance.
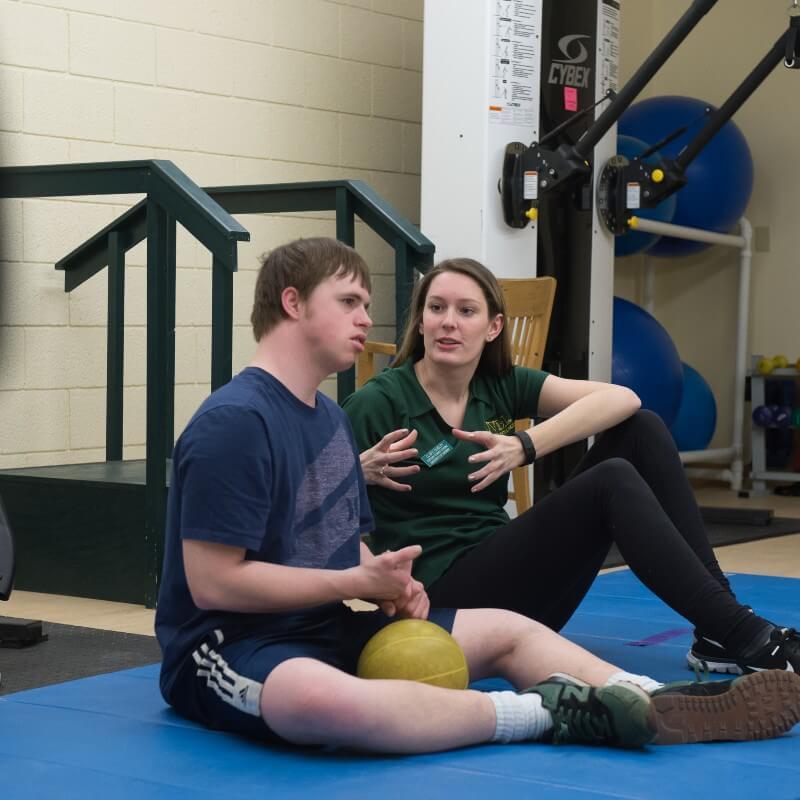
(463, 145)
(462, 157)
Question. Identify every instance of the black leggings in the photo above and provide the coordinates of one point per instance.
(630, 488)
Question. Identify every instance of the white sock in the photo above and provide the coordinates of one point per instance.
(647, 683)
(520, 717)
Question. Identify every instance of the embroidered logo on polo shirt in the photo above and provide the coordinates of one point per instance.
(501, 425)
(437, 453)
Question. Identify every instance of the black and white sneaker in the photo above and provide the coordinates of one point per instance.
(780, 651)
(706, 655)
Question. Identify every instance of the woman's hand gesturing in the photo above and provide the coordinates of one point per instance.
(378, 463)
(502, 454)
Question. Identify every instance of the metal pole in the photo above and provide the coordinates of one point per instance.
(157, 371)
(221, 324)
(743, 242)
(404, 286)
(746, 257)
(684, 232)
(170, 278)
(346, 233)
(115, 347)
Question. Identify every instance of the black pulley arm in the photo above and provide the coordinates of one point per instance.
(626, 186)
(643, 75)
(792, 56)
(737, 99)
(538, 169)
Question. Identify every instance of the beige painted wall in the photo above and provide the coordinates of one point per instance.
(279, 90)
(232, 91)
(696, 297)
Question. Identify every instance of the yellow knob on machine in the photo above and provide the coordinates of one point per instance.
(657, 175)
(532, 214)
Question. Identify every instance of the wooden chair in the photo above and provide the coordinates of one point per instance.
(529, 304)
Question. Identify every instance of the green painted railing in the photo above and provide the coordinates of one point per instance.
(170, 197)
(349, 199)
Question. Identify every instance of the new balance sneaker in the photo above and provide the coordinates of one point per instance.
(761, 705)
(706, 655)
(780, 651)
(620, 715)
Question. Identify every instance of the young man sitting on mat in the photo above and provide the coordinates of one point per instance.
(266, 508)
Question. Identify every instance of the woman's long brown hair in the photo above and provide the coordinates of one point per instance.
(496, 356)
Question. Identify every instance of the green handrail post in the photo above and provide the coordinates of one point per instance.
(170, 197)
(171, 268)
(345, 233)
(403, 286)
(349, 198)
(221, 324)
(157, 371)
(115, 347)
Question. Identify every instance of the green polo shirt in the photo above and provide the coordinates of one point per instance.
(439, 513)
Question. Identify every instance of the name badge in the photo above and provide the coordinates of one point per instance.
(437, 453)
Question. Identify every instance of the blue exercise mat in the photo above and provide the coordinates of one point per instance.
(111, 736)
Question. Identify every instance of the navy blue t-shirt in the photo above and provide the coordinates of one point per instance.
(259, 469)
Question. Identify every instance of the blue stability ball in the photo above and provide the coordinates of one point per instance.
(720, 179)
(696, 420)
(645, 359)
(633, 241)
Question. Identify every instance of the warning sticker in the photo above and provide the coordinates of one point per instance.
(514, 62)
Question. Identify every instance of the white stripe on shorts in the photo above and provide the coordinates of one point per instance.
(242, 693)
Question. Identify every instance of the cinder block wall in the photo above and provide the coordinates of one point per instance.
(232, 91)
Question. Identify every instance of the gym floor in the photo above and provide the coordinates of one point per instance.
(779, 557)
(113, 737)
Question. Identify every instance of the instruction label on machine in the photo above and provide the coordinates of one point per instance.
(514, 45)
(633, 195)
(609, 46)
(530, 186)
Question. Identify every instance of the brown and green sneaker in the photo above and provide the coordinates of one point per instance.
(761, 705)
(619, 716)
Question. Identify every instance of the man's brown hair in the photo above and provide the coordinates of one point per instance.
(303, 264)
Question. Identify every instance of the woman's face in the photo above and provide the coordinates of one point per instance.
(455, 322)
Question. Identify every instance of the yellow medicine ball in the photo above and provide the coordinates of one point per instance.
(414, 650)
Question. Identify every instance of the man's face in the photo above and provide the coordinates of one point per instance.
(335, 321)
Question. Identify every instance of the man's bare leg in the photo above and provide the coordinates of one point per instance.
(308, 702)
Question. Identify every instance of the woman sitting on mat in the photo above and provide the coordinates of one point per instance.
(437, 431)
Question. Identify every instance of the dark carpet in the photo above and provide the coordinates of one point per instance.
(72, 652)
(721, 534)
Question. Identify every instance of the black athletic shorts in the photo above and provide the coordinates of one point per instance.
(220, 683)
